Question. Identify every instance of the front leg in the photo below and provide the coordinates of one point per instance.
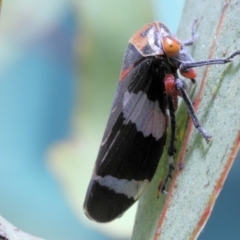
(180, 86)
(193, 35)
(171, 148)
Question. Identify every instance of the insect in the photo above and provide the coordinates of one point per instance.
(135, 134)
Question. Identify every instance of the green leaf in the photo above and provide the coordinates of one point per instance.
(183, 213)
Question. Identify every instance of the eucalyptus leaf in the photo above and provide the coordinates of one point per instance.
(201, 168)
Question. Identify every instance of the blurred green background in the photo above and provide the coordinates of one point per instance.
(59, 68)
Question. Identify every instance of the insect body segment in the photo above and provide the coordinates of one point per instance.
(135, 134)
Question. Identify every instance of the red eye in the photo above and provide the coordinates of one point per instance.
(171, 47)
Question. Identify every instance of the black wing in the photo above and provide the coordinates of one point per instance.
(132, 143)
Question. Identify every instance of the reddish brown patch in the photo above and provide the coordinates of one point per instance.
(170, 88)
(139, 39)
(124, 73)
(169, 81)
(191, 74)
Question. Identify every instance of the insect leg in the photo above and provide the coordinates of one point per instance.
(181, 88)
(171, 148)
(191, 41)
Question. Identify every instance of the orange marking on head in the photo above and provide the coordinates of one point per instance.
(138, 39)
